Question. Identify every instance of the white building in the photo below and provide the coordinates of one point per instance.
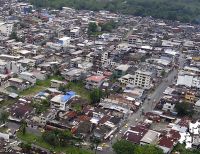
(75, 32)
(6, 28)
(60, 101)
(188, 80)
(65, 41)
(140, 78)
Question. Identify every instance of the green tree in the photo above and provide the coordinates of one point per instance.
(95, 96)
(92, 28)
(150, 149)
(4, 117)
(123, 147)
(163, 73)
(184, 109)
(13, 35)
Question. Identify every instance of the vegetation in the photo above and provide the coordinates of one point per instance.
(22, 127)
(94, 143)
(95, 29)
(79, 88)
(41, 106)
(29, 139)
(184, 109)
(95, 96)
(185, 11)
(4, 117)
(14, 35)
(127, 147)
(181, 148)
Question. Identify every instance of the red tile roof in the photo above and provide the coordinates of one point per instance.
(170, 139)
(96, 78)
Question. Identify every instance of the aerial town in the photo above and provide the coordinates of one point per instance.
(78, 81)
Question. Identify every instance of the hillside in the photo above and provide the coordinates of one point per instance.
(183, 10)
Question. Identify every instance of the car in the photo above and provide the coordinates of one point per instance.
(120, 131)
(126, 126)
(99, 148)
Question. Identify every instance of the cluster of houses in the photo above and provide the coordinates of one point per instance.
(128, 62)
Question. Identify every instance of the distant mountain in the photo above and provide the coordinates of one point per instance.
(183, 10)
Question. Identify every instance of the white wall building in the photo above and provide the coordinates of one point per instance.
(140, 78)
(188, 80)
(6, 28)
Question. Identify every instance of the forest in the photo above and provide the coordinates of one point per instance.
(181, 10)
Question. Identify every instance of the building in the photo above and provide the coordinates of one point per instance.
(151, 137)
(6, 28)
(75, 32)
(28, 77)
(121, 70)
(143, 79)
(94, 81)
(56, 83)
(188, 80)
(60, 101)
(64, 42)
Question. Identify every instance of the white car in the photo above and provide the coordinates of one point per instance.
(99, 148)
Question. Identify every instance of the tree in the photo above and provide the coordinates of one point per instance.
(123, 147)
(25, 147)
(57, 137)
(150, 149)
(93, 28)
(13, 35)
(22, 127)
(95, 96)
(4, 117)
(184, 109)
(94, 143)
(163, 73)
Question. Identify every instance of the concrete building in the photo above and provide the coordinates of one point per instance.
(6, 28)
(28, 76)
(60, 101)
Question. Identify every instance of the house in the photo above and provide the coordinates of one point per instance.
(56, 83)
(94, 81)
(28, 77)
(60, 101)
(18, 83)
(188, 80)
(168, 140)
(121, 70)
(135, 133)
(151, 137)
(73, 74)
(64, 42)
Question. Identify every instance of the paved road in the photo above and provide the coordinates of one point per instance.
(148, 105)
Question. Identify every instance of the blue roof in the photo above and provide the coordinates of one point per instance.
(72, 93)
(41, 93)
(68, 96)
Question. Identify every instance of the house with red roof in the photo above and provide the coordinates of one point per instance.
(94, 81)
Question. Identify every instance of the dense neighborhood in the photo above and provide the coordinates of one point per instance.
(83, 82)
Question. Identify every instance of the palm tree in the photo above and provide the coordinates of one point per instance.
(22, 127)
